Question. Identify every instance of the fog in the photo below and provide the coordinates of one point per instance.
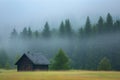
(93, 48)
(34, 13)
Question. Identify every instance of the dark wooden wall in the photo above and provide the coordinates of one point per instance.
(25, 64)
(40, 67)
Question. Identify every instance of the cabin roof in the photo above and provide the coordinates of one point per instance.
(37, 59)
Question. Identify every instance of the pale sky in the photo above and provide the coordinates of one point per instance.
(34, 13)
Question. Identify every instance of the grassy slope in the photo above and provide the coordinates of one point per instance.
(59, 75)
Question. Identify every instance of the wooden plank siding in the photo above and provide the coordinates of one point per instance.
(25, 64)
(40, 67)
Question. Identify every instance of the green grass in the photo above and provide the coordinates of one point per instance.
(59, 75)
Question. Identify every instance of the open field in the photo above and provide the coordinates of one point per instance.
(59, 75)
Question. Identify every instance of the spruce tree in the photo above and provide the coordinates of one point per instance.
(3, 58)
(117, 25)
(100, 25)
(14, 33)
(46, 31)
(68, 28)
(24, 33)
(81, 32)
(62, 29)
(60, 61)
(88, 27)
(104, 64)
(29, 33)
(94, 30)
(36, 34)
(7, 65)
(109, 23)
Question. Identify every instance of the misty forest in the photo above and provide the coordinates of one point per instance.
(85, 46)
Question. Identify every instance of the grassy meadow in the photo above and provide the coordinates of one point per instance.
(59, 75)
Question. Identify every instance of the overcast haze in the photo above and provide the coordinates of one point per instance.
(34, 13)
(85, 47)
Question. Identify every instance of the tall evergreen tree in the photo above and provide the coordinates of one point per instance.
(88, 27)
(29, 33)
(46, 31)
(3, 58)
(100, 25)
(54, 32)
(61, 61)
(117, 25)
(14, 33)
(62, 29)
(36, 34)
(81, 32)
(104, 64)
(68, 28)
(24, 33)
(94, 30)
(109, 23)
(7, 65)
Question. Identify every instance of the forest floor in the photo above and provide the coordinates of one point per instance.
(59, 75)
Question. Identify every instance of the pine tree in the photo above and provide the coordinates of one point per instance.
(29, 33)
(100, 25)
(94, 30)
(117, 25)
(104, 64)
(54, 32)
(7, 65)
(88, 27)
(46, 31)
(62, 29)
(60, 61)
(81, 32)
(109, 23)
(24, 33)
(3, 58)
(36, 34)
(14, 33)
(68, 29)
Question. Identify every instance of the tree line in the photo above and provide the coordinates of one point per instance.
(61, 61)
(88, 47)
(66, 30)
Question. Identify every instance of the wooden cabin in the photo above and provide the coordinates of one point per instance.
(32, 62)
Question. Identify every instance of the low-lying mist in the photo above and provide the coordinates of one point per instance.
(77, 49)
(85, 47)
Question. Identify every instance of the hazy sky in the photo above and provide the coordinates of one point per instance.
(34, 13)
